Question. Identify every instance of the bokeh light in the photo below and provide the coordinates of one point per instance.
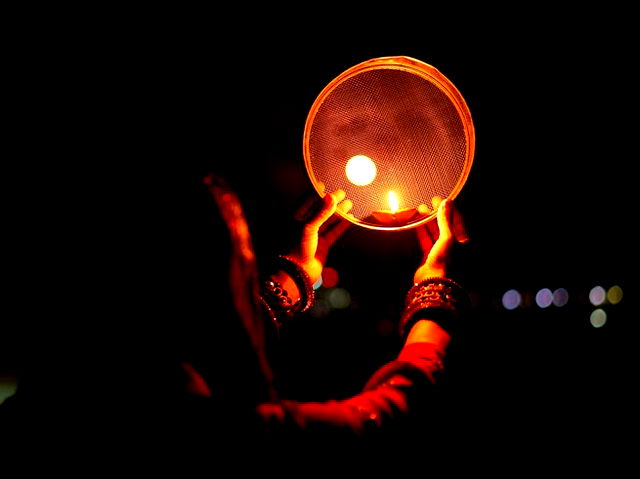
(614, 294)
(330, 277)
(8, 387)
(598, 318)
(511, 299)
(339, 298)
(544, 298)
(560, 297)
(597, 295)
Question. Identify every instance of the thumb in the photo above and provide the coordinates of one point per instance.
(445, 220)
(328, 206)
(438, 257)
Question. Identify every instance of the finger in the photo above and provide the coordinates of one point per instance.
(308, 207)
(309, 240)
(436, 261)
(328, 207)
(332, 234)
(435, 202)
(459, 227)
(425, 238)
(345, 206)
(440, 250)
(445, 219)
(329, 237)
(424, 209)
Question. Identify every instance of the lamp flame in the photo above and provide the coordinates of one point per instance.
(394, 203)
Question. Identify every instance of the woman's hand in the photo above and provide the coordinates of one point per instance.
(321, 229)
(437, 238)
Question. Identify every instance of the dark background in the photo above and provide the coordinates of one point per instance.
(547, 203)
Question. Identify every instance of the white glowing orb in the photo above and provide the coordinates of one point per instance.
(361, 170)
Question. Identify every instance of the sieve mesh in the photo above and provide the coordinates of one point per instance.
(408, 119)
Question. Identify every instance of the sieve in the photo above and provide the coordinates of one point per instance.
(396, 135)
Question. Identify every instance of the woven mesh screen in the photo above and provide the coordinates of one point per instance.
(410, 125)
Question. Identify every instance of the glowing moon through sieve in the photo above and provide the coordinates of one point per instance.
(360, 170)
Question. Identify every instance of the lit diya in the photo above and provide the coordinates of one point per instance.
(396, 215)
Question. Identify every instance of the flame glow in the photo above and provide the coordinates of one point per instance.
(394, 203)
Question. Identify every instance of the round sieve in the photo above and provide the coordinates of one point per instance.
(394, 133)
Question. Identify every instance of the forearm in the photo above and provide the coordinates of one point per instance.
(400, 388)
(392, 395)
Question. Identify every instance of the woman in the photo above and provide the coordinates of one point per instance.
(192, 359)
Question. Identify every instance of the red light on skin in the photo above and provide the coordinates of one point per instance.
(330, 277)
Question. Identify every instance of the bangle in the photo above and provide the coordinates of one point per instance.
(438, 299)
(277, 298)
(302, 280)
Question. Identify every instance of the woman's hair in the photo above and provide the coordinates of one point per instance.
(212, 289)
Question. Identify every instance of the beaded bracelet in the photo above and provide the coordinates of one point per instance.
(433, 298)
(278, 299)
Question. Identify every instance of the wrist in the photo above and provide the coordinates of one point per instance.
(285, 281)
(427, 331)
(438, 299)
(288, 289)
